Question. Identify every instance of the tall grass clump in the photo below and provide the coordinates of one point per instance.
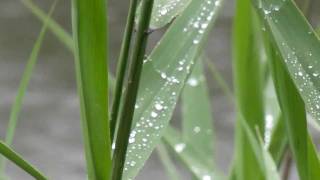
(276, 96)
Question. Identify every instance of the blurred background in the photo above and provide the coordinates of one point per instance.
(49, 133)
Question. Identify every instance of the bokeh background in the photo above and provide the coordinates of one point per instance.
(48, 132)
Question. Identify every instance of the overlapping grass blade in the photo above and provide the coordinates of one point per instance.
(130, 97)
(265, 161)
(17, 104)
(121, 67)
(199, 168)
(90, 30)
(7, 152)
(163, 77)
(278, 142)
(165, 11)
(294, 114)
(167, 162)
(60, 33)
(298, 45)
(248, 89)
(197, 120)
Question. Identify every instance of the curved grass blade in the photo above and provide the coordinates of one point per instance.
(19, 161)
(164, 11)
(17, 104)
(163, 77)
(197, 118)
(57, 30)
(294, 114)
(90, 31)
(60, 33)
(298, 45)
(167, 162)
(248, 89)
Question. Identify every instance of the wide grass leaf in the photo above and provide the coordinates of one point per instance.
(199, 168)
(163, 77)
(294, 116)
(196, 114)
(90, 32)
(248, 88)
(164, 11)
(298, 45)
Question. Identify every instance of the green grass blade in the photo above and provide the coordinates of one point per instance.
(7, 152)
(62, 35)
(17, 104)
(199, 168)
(294, 114)
(278, 142)
(163, 77)
(220, 80)
(130, 97)
(248, 89)
(121, 67)
(91, 42)
(298, 45)
(164, 11)
(265, 161)
(57, 30)
(196, 114)
(167, 162)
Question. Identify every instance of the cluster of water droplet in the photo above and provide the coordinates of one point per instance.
(153, 107)
(167, 10)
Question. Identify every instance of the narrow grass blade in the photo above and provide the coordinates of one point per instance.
(196, 114)
(60, 33)
(91, 54)
(293, 110)
(298, 45)
(130, 97)
(163, 76)
(121, 67)
(19, 161)
(220, 80)
(167, 162)
(164, 11)
(265, 161)
(17, 104)
(248, 89)
(278, 142)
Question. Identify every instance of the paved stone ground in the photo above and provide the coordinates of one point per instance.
(49, 133)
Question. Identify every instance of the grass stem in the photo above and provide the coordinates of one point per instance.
(126, 116)
(121, 68)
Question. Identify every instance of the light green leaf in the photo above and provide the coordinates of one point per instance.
(164, 11)
(196, 114)
(298, 45)
(163, 77)
(199, 168)
(167, 162)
